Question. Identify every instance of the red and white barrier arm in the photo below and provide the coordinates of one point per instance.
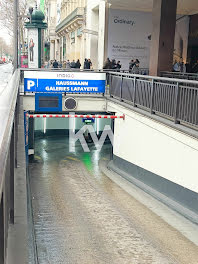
(75, 116)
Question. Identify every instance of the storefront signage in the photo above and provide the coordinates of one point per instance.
(128, 38)
(64, 82)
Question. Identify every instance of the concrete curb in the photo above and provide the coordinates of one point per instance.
(193, 217)
(18, 233)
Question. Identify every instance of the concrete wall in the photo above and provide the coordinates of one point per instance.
(156, 148)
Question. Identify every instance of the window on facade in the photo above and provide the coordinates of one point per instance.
(73, 37)
(79, 32)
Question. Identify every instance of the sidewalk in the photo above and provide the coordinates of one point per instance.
(171, 217)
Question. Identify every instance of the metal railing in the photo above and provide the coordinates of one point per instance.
(142, 71)
(180, 75)
(9, 108)
(175, 99)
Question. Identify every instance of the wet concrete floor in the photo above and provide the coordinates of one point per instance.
(82, 217)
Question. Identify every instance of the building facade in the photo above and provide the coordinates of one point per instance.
(51, 19)
(70, 41)
(120, 30)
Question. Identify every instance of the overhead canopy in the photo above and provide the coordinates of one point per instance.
(184, 7)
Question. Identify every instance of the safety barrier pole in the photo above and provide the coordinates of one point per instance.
(75, 116)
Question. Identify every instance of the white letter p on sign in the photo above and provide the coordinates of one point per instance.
(30, 84)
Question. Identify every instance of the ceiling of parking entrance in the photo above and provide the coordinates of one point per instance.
(184, 7)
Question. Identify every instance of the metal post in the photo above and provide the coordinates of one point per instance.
(15, 139)
(176, 104)
(6, 203)
(134, 94)
(152, 96)
(12, 166)
(121, 89)
(31, 139)
(110, 83)
(112, 128)
(1, 230)
(15, 64)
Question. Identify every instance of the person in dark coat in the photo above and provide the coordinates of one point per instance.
(86, 64)
(107, 64)
(131, 64)
(195, 67)
(73, 64)
(89, 64)
(113, 64)
(118, 66)
(78, 64)
(55, 64)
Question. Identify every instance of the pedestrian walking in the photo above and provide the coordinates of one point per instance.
(89, 64)
(195, 67)
(113, 64)
(118, 66)
(68, 65)
(131, 64)
(85, 64)
(64, 64)
(107, 64)
(176, 67)
(135, 69)
(78, 64)
(73, 64)
(55, 64)
(183, 67)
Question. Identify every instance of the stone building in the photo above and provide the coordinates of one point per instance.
(51, 19)
(70, 41)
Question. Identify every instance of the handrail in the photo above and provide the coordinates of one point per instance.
(8, 100)
(158, 95)
(180, 73)
(63, 69)
(121, 74)
(176, 80)
(80, 70)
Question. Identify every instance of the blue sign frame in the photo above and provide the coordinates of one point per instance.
(48, 109)
(60, 82)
